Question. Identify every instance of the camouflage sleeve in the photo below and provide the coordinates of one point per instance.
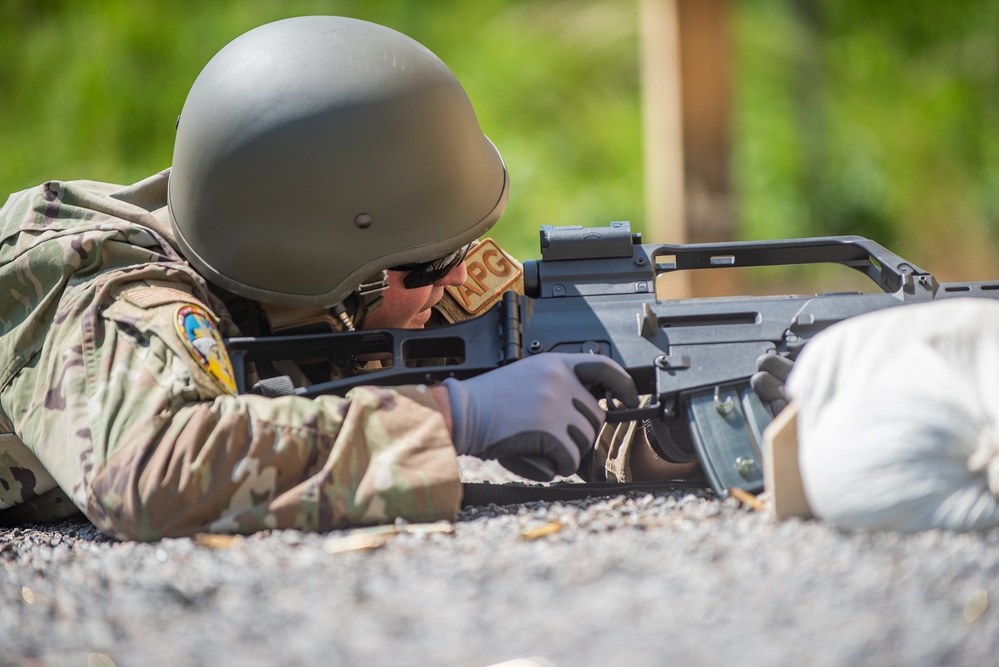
(127, 412)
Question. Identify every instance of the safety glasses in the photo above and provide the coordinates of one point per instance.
(426, 273)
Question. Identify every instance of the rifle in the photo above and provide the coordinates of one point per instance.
(593, 290)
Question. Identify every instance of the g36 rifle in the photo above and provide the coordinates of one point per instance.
(593, 290)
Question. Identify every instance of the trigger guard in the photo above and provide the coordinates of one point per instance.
(669, 437)
(671, 440)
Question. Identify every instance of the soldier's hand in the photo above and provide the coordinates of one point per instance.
(536, 416)
(769, 380)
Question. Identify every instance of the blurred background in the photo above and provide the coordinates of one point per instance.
(697, 120)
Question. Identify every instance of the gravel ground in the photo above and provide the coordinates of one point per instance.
(652, 579)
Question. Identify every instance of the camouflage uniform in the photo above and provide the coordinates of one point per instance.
(108, 407)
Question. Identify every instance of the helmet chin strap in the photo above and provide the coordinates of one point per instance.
(373, 285)
(290, 319)
(347, 315)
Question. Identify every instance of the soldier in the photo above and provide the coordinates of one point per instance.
(325, 169)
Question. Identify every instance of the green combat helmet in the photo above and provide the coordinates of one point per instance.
(314, 152)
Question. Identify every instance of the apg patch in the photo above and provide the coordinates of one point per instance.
(202, 339)
(490, 273)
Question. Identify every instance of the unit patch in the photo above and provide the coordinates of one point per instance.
(490, 273)
(202, 339)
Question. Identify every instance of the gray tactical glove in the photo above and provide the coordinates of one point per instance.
(769, 380)
(536, 416)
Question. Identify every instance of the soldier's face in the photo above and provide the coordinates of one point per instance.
(410, 308)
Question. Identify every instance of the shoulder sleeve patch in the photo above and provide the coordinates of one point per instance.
(201, 338)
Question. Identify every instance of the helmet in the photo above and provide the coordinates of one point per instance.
(316, 151)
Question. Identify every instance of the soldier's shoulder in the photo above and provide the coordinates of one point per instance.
(58, 209)
(48, 200)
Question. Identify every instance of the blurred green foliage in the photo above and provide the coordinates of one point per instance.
(872, 118)
(849, 116)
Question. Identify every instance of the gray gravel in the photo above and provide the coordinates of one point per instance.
(669, 578)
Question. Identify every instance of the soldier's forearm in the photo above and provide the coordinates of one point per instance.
(252, 463)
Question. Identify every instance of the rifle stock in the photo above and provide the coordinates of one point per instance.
(593, 290)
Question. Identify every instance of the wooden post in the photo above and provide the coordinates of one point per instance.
(686, 101)
(662, 131)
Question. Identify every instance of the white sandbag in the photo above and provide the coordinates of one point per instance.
(898, 422)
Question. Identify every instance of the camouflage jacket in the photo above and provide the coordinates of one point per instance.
(116, 395)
